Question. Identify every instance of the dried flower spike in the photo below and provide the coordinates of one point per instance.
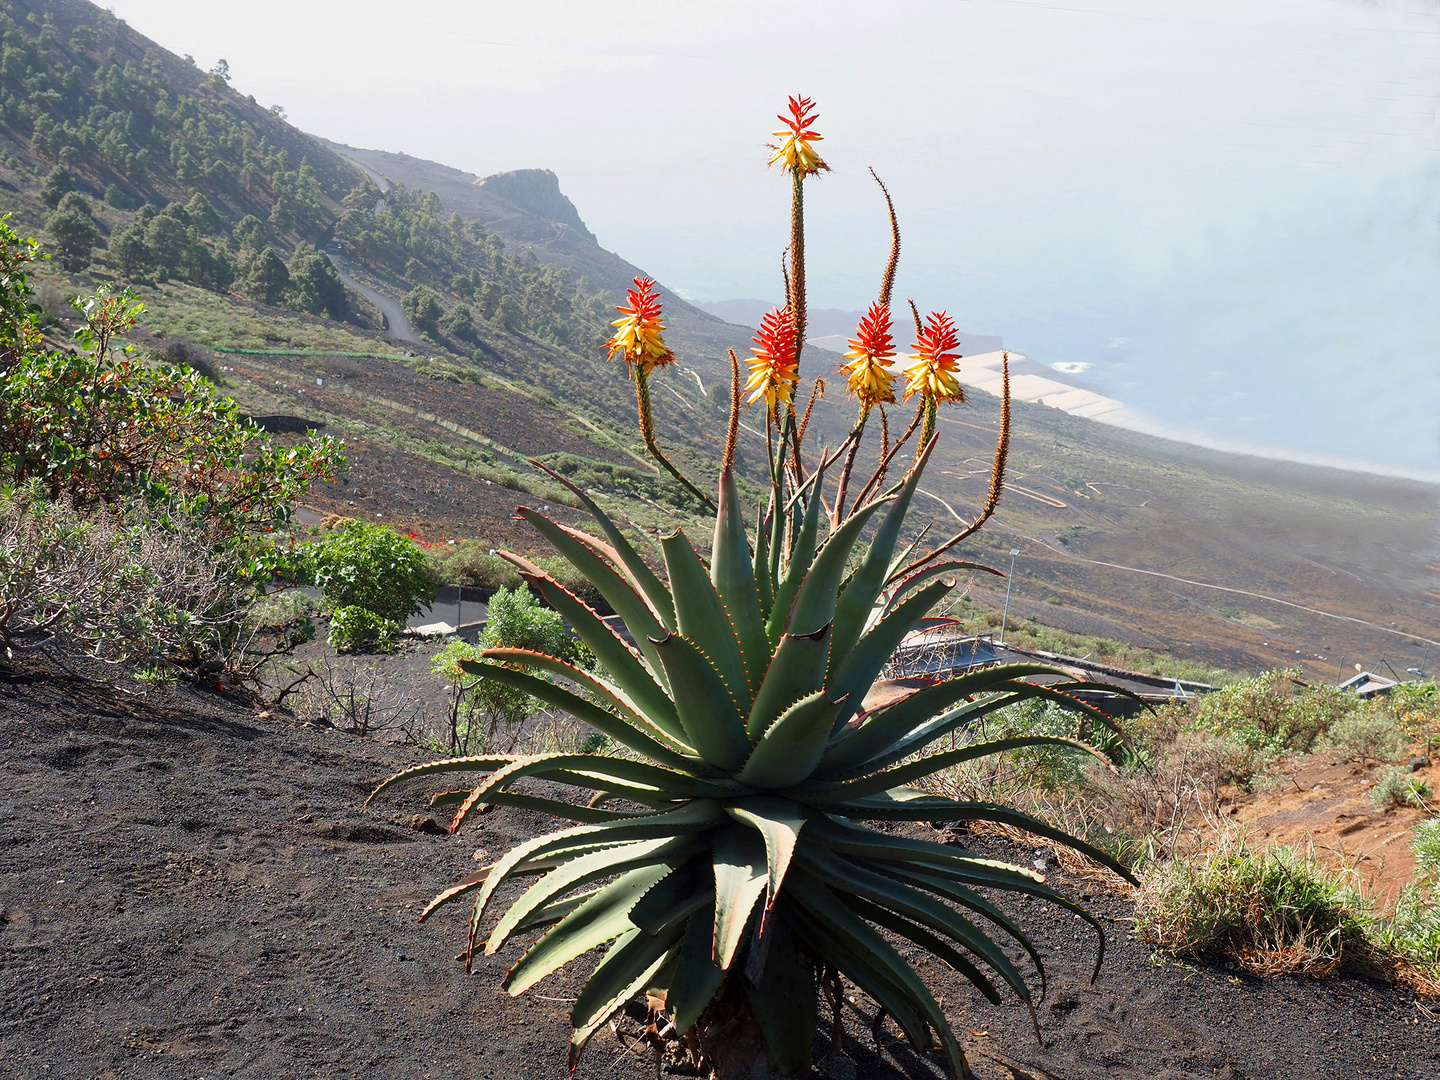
(937, 352)
(793, 153)
(868, 377)
(637, 334)
(774, 370)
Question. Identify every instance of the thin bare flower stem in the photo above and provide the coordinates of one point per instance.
(647, 432)
(797, 261)
(927, 429)
(889, 455)
(856, 433)
(997, 478)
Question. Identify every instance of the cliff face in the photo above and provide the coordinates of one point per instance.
(538, 191)
(527, 209)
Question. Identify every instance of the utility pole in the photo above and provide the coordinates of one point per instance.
(1009, 578)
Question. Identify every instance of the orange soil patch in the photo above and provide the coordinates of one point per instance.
(1328, 805)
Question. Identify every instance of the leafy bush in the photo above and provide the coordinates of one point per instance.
(1397, 788)
(372, 567)
(100, 427)
(280, 610)
(1367, 734)
(481, 708)
(137, 587)
(1275, 711)
(354, 627)
(469, 563)
(1409, 696)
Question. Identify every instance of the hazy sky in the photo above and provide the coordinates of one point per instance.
(1230, 210)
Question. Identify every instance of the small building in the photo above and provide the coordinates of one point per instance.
(1368, 685)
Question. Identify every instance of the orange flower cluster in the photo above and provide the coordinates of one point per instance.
(794, 152)
(774, 367)
(937, 352)
(867, 375)
(637, 333)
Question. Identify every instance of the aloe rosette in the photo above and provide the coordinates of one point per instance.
(726, 846)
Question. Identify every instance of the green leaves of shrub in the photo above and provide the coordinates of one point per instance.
(372, 567)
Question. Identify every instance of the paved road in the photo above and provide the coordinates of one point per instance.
(398, 327)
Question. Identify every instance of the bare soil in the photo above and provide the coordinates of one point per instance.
(188, 889)
(1327, 805)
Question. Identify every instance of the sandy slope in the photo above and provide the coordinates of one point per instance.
(187, 889)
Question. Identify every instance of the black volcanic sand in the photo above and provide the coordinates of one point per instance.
(188, 889)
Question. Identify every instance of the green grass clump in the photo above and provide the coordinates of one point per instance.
(1426, 847)
(1273, 910)
(1396, 788)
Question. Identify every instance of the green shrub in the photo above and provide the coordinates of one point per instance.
(1367, 734)
(353, 627)
(374, 567)
(1275, 711)
(1410, 696)
(1397, 788)
(279, 610)
(483, 708)
(469, 563)
(143, 586)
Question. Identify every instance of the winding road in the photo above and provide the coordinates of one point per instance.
(397, 326)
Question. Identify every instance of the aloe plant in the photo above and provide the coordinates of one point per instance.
(721, 856)
(727, 845)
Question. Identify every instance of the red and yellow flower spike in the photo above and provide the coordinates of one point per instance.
(868, 378)
(937, 352)
(774, 368)
(637, 334)
(794, 152)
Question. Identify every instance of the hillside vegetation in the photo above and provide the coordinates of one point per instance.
(227, 218)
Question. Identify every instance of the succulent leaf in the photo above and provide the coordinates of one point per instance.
(778, 822)
(697, 978)
(621, 662)
(701, 616)
(854, 674)
(854, 605)
(740, 880)
(603, 917)
(710, 716)
(626, 731)
(788, 751)
(641, 620)
(796, 670)
(644, 579)
(733, 574)
(801, 555)
(873, 963)
(785, 1001)
(624, 971)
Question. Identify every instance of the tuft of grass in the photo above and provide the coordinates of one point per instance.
(1397, 788)
(1272, 911)
(1425, 845)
